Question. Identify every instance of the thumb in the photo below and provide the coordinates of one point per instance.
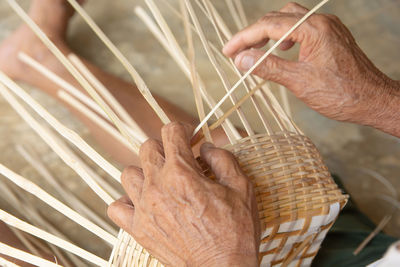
(224, 166)
(273, 68)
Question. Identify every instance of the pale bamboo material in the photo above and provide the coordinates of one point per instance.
(250, 71)
(100, 101)
(70, 67)
(124, 61)
(58, 147)
(23, 226)
(167, 40)
(141, 138)
(70, 135)
(24, 241)
(95, 118)
(34, 160)
(217, 67)
(27, 211)
(35, 190)
(23, 256)
(193, 72)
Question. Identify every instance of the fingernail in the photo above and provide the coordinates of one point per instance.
(247, 62)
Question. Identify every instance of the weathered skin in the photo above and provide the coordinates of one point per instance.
(183, 217)
(332, 75)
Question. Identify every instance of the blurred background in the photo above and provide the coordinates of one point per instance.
(357, 154)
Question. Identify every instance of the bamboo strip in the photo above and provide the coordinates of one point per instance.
(217, 67)
(23, 256)
(242, 13)
(123, 60)
(95, 118)
(271, 104)
(47, 136)
(24, 241)
(234, 14)
(75, 92)
(38, 192)
(34, 216)
(34, 160)
(60, 128)
(23, 226)
(232, 109)
(100, 101)
(67, 64)
(250, 71)
(256, 104)
(193, 72)
(6, 263)
(93, 93)
(183, 63)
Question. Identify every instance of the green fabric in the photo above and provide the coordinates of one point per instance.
(347, 233)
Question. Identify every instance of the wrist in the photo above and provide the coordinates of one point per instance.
(383, 107)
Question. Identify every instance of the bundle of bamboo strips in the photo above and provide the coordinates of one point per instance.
(297, 199)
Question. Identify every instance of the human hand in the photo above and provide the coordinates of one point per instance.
(332, 75)
(182, 217)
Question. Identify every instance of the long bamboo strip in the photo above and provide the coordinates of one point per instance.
(272, 104)
(179, 54)
(28, 228)
(242, 13)
(101, 102)
(75, 92)
(231, 110)
(95, 118)
(60, 128)
(217, 67)
(34, 160)
(35, 190)
(208, 6)
(48, 137)
(193, 72)
(124, 61)
(23, 256)
(250, 71)
(234, 14)
(24, 241)
(67, 64)
(183, 63)
(29, 212)
(6, 263)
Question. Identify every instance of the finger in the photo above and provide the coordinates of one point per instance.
(293, 7)
(132, 181)
(273, 68)
(122, 213)
(224, 166)
(152, 158)
(272, 27)
(176, 140)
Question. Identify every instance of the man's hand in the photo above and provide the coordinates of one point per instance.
(182, 217)
(332, 75)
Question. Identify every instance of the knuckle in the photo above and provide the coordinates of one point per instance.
(172, 127)
(291, 5)
(150, 144)
(129, 173)
(324, 22)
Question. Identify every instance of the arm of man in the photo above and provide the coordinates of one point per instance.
(332, 75)
(182, 217)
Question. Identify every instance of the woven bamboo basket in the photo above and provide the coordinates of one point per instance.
(298, 200)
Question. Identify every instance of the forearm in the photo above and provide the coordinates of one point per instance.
(384, 113)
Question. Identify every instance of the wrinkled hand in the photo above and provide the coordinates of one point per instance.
(332, 75)
(182, 217)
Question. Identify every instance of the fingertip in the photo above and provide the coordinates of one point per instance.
(121, 213)
(205, 148)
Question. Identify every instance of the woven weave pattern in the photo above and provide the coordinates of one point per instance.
(298, 201)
